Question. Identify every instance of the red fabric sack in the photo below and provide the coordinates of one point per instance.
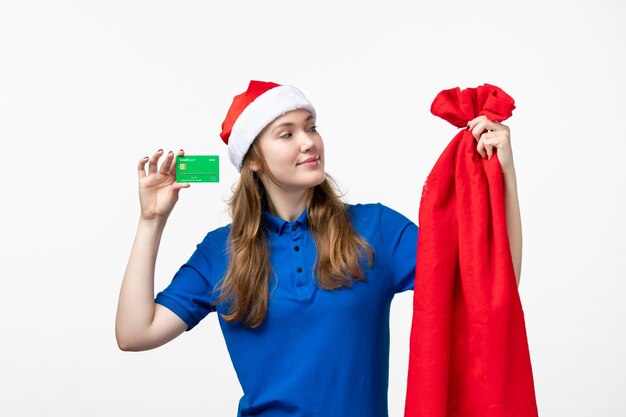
(468, 347)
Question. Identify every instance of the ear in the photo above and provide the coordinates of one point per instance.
(254, 166)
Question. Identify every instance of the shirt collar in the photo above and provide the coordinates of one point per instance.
(276, 224)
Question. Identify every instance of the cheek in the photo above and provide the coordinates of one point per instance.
(274, 154)
(320, 145)
(282, 158)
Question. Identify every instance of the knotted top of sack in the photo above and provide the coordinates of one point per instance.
(459, 107)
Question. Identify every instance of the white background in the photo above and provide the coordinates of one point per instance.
(88, 88)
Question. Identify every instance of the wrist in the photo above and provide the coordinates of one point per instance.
(156, 223)
(509, 171)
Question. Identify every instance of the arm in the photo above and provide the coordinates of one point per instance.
(513, 220)
(496, 136)
(140, 324)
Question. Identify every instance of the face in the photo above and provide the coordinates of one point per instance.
(287, 143)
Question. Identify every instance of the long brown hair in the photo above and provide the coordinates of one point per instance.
(340, 250)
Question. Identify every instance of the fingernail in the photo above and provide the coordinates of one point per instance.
(145, 157)
(170, 152)
(160, 150)
(467, 128)
(180, 150)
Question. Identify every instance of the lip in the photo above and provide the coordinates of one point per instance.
(310, 160)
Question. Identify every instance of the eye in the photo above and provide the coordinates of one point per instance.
(285, 136)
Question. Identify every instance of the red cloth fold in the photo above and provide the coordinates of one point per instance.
(468, 346)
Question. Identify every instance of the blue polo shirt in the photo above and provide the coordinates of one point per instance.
(319, 353)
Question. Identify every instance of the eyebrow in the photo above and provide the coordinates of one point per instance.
(290, 123)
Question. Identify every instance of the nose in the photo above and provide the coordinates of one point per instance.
(306, 142)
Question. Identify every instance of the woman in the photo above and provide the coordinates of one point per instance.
(302, 282)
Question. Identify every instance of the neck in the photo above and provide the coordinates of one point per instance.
(287, 205)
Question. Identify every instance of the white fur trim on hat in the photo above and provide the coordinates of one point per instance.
(262, 111)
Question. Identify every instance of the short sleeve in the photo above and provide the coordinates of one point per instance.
(399, 242)
(189, 295)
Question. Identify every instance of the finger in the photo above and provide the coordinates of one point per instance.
(172, 170)
(489, 149)
(484, 130)
(167, 163)
(480, 148)
(474, 121)
(478, 129)
(176, 187)
(483, 125)
(489, 135)
(491, 146)
(142, 167)
(152, 166)
(487, 142)
(491, 125)
(180, 185)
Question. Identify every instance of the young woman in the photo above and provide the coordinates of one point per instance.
(302, 282)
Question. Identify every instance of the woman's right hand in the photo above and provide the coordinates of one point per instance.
(158, 189)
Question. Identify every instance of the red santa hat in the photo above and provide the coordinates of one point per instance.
(261, 104)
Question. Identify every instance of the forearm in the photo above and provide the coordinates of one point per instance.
(513, 220)
(135, 309)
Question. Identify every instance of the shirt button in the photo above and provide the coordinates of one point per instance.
(294, 227)
(299, 269)
(297, 248)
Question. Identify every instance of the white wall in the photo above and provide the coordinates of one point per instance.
(87, 88)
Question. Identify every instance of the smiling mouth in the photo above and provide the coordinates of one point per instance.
(310, 162)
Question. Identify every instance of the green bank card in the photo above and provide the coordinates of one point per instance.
(198, 168)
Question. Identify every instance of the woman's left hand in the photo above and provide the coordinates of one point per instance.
(493, 135)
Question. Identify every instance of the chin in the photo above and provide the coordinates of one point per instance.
(309, 184)
(318, 179)
(309, 181)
